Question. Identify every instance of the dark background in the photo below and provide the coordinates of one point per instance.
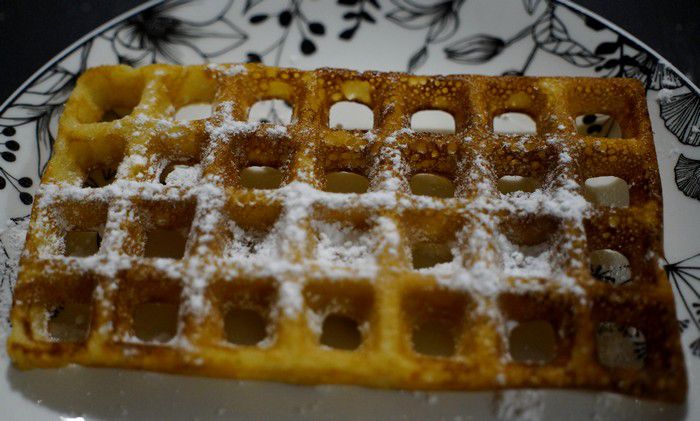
(33, 31)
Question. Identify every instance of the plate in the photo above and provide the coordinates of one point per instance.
(533, 37)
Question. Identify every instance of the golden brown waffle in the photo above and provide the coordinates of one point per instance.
(307, 260)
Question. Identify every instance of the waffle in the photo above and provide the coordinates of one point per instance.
(296, 263)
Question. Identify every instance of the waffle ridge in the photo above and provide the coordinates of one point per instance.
(477, 295)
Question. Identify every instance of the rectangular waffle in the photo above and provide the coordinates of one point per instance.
(304, 259)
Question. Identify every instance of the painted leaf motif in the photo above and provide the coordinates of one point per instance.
(49, 91)
(650, 71)
(58, 81)
(687, 173)
(475, 49)
(440, 17)
(531, 5)
(249, 4)
(161, 34)
(550, 34)
(46, 132)
(594, 23)
(255, 19)
(684, 275)
(664, 77)
(366, 16)
(695, 347)
(443, 28)
(606, 48)
(418, 59)
(681, 115)
(410, 19)
(348, 33)
(51, 82)
(640, 66)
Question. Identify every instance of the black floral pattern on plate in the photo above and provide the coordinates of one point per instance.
(531, 5)
(360, 13)
(685, 276)
(548, 33)
(440, 18)
(42, 108)
(681, 115)
(290, 17)
(618, 58)
(157, 35)
(687, 172)
(624, 58)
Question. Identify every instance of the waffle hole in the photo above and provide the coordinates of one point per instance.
(346, 182)
(532, 342)
(607, 191)
(179, 175)
(82, 243)
(610, 267)
(620, 346)
(193, 112)
(433, 121)
(168, 243)
(155, 321)
(261, 177)
(69, 322)
(250, 232)
(598, 125)
(436, 319)
(350, 115)
(245, 307)
(514, 183)
(434, 338)
(116, 113)
(100, 177)
(275, 111)
(530, 232)
(340, 332)
(244, 326)
(425, 184)
(427, 255)
(514, 123)
(339, 312)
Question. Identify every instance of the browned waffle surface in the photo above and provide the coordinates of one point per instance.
(266, 276)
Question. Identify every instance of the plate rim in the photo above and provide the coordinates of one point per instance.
(74, 46)
(576, 8)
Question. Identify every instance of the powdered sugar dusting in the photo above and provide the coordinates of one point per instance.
(526, 261)
(343, 244)
(228, 69)
(340, 250)
(521, 405)
(221, 129)
(11, 244)
(183, 175)
(300, 245)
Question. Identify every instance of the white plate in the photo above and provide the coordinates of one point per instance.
(479, 36)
